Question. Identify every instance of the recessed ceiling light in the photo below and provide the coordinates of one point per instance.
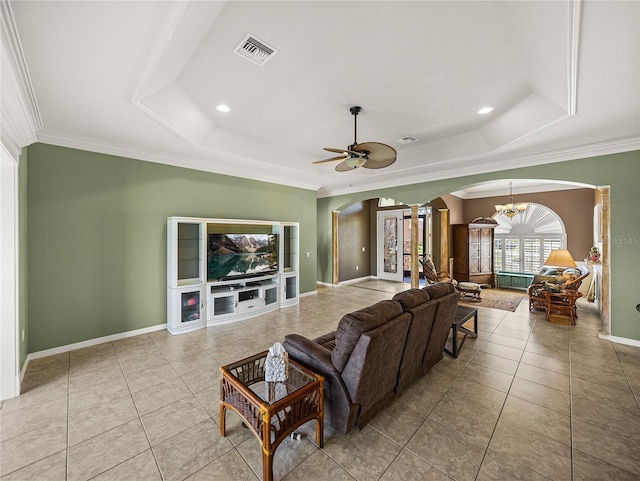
(485, 110)
(223, 108)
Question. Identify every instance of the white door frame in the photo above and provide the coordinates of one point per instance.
(398, 275)
(9, 277)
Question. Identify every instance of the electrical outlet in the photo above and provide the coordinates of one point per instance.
(357, 267)
(364, 249)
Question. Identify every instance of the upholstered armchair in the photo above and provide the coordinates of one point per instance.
(568, 280)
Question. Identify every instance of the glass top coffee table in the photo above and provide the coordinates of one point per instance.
(272, 410)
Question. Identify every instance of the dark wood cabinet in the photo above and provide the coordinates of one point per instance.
(473, 251)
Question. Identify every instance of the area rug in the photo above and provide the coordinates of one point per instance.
(504, 299)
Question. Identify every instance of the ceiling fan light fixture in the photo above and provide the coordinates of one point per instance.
(370, 155)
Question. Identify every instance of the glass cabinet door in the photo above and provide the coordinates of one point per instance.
(188, 253)
(190, 303)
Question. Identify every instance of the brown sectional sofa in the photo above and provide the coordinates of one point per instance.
(377, 352)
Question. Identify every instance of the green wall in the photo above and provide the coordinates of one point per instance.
(619, 171)
(23, 306)
(97, 255)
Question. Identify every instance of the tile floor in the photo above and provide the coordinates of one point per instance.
(526, 400)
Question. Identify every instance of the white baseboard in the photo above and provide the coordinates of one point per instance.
(625, 341)
(91, 342)
(310, 293)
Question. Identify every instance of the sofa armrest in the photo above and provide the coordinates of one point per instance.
(309, 353)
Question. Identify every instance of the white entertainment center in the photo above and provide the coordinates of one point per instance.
(196, 300)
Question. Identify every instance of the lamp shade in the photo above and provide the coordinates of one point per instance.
(560, 258)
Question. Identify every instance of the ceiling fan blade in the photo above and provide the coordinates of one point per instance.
(344, 167)
(378, 155)
(337, 151)
(332, 159)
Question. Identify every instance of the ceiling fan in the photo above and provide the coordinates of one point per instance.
(370, 155)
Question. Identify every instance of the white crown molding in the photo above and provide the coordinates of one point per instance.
(204, 165)
(20, 113)
(487, 165)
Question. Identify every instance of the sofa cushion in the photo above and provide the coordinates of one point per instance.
(411, 298)
(436, 291)
(352, 325)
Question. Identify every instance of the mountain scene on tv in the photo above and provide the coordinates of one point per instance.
(237, 255)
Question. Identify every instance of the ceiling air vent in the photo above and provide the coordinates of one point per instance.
(407, 139)
(255, 50)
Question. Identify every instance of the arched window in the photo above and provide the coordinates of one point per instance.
(523, 242)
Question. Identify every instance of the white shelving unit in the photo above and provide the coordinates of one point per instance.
(195, 301)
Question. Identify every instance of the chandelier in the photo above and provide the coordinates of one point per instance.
(511, 209)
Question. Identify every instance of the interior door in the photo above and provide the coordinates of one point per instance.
(390, 241)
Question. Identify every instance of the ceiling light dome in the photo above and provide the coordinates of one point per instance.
(223, 108)
(485, 110)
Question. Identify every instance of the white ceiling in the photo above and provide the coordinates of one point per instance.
(142, 79)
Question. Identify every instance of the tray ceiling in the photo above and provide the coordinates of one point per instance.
(143, 79)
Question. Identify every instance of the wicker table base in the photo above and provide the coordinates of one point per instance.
(271, 410)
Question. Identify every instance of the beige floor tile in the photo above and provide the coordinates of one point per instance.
(172, 419)
(469, 419)
(487, 377)
(547, 397)
(550, 351)
(32, 446)
(142, 466)
(514, 332)
(600, 376)
(441, 447)
(51, 468)
(502, 351)
(398, 422)
(365, 454)
(544, 377)
(496, 467)
(535, 451)
(546, 362)
(188, 452)
(606, 445)
(508, 341)
(87, 424)
(160, 395)
(101, 453)
(623, 422)
(141, 379)
(229, 466)
(32, 417)
(588, 468)
(498, 363)
(88, 399)
(619, 398)
(319, 467)
(537, 418)
(478, 395)
(408, 466)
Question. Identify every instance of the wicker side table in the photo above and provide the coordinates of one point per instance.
(271, 410)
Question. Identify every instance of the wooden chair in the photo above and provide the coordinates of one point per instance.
(563, 303)
(431, 276)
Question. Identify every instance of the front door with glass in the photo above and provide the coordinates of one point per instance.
(390, 240)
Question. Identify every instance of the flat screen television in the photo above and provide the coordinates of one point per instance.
(236, 256)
